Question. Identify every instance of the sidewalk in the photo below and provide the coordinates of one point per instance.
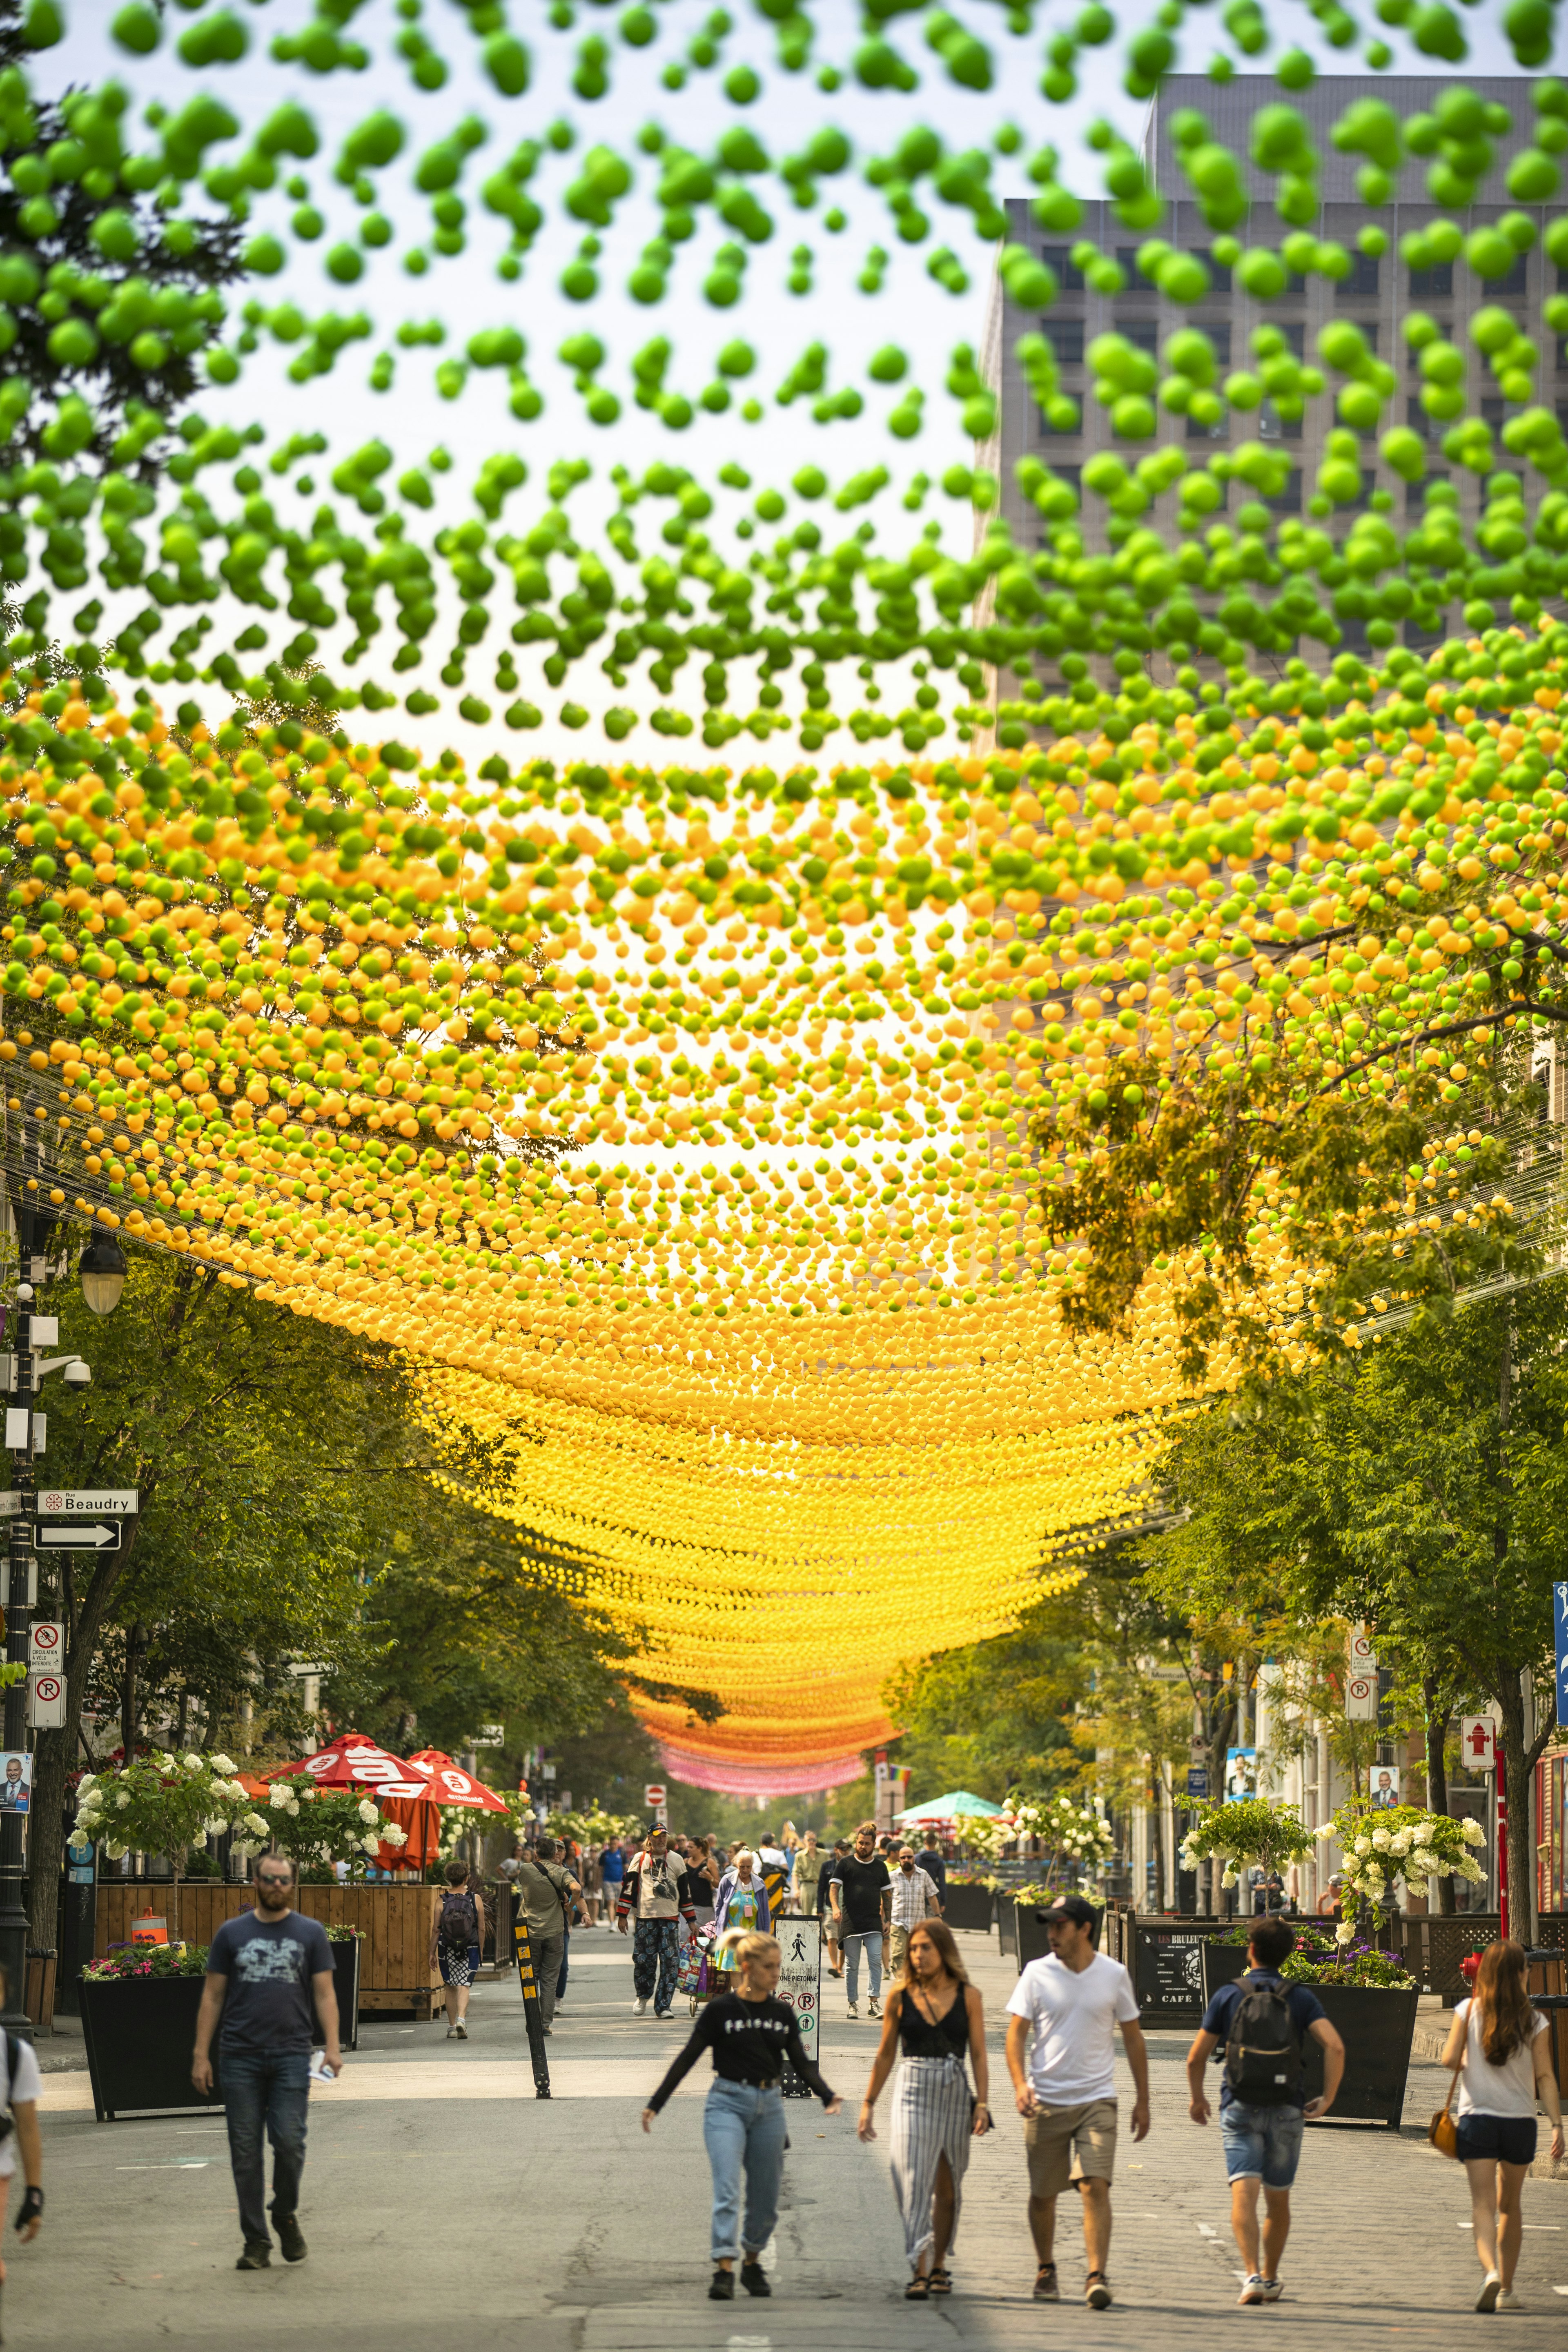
(436, 2181)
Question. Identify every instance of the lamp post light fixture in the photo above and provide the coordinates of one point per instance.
(102, 1268)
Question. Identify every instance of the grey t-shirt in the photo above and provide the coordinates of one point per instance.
(269, 1964)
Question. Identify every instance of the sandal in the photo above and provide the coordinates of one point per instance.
(942, 2280)
(918, 2289)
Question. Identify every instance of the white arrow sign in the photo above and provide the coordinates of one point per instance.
(81, 1539)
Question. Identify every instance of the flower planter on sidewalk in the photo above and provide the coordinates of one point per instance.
(969, 1905)
(1375, 2022)
(140, 2032)
(1007, 1925)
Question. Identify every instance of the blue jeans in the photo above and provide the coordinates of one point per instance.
(853, 1945)
(743, 2127)
(270, 2087)
(1261, 2143)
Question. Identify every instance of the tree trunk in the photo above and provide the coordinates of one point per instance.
(1517, 1758)
(1438, 1715)
(133, 1646)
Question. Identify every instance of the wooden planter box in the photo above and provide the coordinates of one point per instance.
(972, 1907)
(140, 2033)
(1376, 2026)
(395, 1978)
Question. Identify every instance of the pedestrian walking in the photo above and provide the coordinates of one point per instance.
(699, 1883)
(750, 2034)
(935, 2019)
(592, 1883)
(934, 1861)
(806, 1873)
(742, 1902)
(546, 1889)
(457, 1936)
(862, 1896)
(1263, 2025)
(770, 1854)
(24, 2086)
(267, 1972)
(1501, 2051)
(1064, 2012)
(913, 1897)
(650, 1902)
(824, 1911)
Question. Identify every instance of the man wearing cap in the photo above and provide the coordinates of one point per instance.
(1063, 2017)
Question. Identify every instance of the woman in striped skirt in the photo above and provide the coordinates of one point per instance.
(935, 2018)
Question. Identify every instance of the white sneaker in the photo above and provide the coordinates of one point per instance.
(639, 2007)
(1253, 2291)
(873, 2008)
(1272, 2290)
(1488, 2298)
(853, 2011)
(1509, 2301)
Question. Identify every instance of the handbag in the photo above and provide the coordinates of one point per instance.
(1443, 2131)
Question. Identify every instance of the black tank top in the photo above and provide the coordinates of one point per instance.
(948, 2038)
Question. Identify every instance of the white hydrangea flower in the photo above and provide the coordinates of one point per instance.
(1345, 1932)
(224, 1764)
(1400, 1842)
(121, 1798)
(254, 1822)
(1380, 1840)
(1362, 1845)
(392, 1835)
(369, 1846)
(1426, 1866)
(278, 1794)
(1472, 1833)
(367, 1812)
(115, 1852)
(195, 1763)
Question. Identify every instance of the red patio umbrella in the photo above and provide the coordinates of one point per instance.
(449, 1784)
(352, 1761)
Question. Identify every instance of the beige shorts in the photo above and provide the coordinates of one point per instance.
(1069, 2144)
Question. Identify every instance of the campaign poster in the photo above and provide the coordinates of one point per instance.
(15, 1781)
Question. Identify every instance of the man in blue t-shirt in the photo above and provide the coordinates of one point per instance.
(1262, 2140)
(270, 1976)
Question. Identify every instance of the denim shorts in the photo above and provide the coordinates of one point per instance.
(1261, 2143)
(1497, 2140)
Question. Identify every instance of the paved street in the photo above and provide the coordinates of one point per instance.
(442, 2199)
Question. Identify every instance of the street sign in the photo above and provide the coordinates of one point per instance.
(1198, 1782)
(800, 1989)
(1361, 1678)
(45, 1702)
(46, 1643)
(87, 1502)
(64, 1535)
(653, 1792)
(1477, 1742)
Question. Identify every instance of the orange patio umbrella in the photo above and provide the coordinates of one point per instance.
(352, 1761)
(449, 1784)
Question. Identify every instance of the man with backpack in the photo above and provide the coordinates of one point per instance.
(546, 1894)
(1263, 2025)
(456, 1939)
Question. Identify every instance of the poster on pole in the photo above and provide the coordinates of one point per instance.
(1560, 1629)
(15, 1781)
(800, 1978)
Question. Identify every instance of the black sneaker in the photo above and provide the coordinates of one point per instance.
(723, 2287)
(258, 2255)
(290, 2237)
(754, 2279)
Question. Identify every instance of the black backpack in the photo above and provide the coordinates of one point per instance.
(1264, 2054)
(459, 1923)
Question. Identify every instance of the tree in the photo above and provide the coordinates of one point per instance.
(1419, 1489)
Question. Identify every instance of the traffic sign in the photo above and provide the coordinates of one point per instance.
(1361, 1698)
(46, 1643)
(45, 1702)
(87, 1502)
(653, 1792)
(1477, 1742)
(1197, 1780)
(67, 1535)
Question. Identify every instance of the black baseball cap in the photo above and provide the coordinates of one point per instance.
(1073, 1907)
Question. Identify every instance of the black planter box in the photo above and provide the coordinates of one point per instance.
(140, 2032)
(1376, 2026)
(1007, 1924)
(969, 1907)
(1031, 1939)
(345, 1984)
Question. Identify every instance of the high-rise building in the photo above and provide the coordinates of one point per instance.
(1377, 294)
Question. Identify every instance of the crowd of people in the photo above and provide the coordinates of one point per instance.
(269, 1992)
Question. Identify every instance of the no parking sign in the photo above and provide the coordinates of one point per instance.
(45, 1702)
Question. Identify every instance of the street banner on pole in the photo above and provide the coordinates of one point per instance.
(1560, 1628)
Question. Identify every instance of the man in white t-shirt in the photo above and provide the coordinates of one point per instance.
(1063, 2017)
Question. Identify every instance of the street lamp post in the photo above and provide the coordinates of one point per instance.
(18, 1427)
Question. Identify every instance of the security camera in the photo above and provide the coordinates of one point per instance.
(78, 1373)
